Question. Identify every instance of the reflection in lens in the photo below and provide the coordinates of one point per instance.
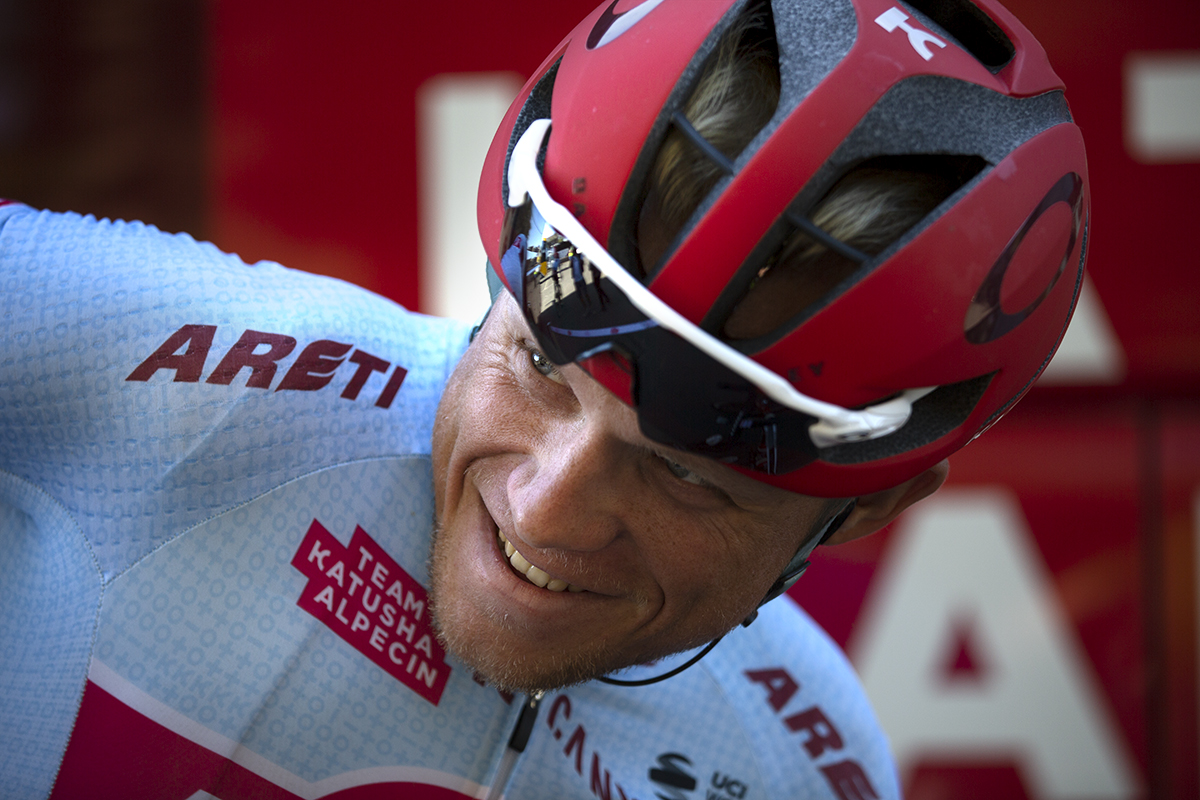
(684, 399)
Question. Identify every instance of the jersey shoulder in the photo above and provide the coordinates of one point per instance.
(803, 706)
(187, 440)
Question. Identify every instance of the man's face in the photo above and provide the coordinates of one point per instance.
(659, 551)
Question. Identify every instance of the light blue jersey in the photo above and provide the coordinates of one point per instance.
(215, 510)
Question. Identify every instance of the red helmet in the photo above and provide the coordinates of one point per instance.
(954, 320)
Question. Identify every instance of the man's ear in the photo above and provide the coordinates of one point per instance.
(874, 511)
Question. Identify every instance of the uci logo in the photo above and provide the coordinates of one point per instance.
(727, 787)
(986, 320)
(673, 782)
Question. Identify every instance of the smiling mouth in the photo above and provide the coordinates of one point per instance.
(531, 573)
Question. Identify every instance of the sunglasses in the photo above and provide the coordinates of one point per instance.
(691, 391)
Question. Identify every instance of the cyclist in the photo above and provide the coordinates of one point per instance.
(818, 247)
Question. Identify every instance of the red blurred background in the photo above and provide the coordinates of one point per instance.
(1053, 653)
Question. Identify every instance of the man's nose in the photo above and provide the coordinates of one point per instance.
(572, 490)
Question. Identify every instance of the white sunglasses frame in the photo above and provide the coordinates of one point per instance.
(836, 425)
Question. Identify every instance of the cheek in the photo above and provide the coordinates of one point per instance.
(480, 414)
(451, 423)
(721, 574)
(751, 562)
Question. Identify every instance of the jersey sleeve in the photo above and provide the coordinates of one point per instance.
(803, 704)
(162, 405)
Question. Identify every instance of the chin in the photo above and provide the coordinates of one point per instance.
(485, 637)
(487, 643)
(527, 673)
(495, 653)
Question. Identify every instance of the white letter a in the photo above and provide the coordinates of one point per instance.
(967, 556)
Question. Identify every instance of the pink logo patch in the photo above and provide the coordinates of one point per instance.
(370, 601)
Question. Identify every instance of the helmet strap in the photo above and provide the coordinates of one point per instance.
(799, 562)
(791, 574)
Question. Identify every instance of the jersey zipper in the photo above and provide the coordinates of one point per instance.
(516, 745)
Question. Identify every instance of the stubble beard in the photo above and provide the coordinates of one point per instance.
(484, 646)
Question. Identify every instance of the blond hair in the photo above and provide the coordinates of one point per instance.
(734, 98)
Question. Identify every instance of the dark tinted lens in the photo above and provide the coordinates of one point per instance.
(512, 249)
(689, 401)
(684, 398)
(568, 302)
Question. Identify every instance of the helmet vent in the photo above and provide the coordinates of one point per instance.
(810, 258)
(974, 30)
(720, 105)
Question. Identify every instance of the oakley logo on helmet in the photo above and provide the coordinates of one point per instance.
(986, 320)
(611, 25)
(894, 18)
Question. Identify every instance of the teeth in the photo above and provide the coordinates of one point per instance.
(536, 576)
(518, 561)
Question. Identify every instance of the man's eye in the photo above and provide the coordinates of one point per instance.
(682, 472)
(544, 365)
